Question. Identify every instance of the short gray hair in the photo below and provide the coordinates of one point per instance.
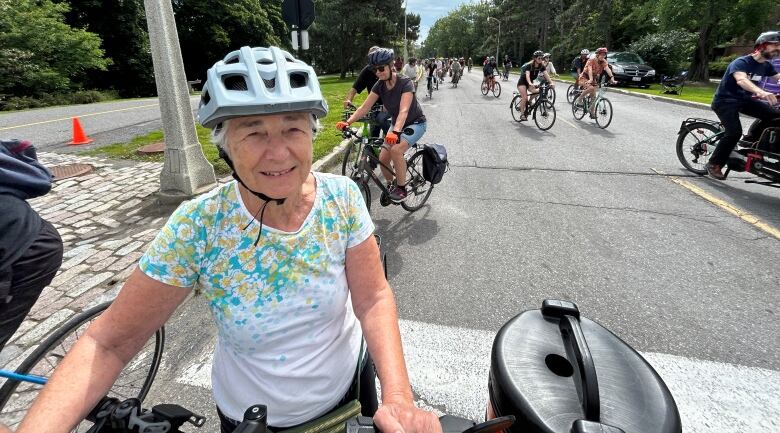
(219, 133)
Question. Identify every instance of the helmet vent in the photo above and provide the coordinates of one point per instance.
(270, 83)
(234, 82)
(205, 98)
(231, 60)
(298, 79)
(265, 61)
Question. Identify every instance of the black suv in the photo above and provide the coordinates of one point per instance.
(629, 68)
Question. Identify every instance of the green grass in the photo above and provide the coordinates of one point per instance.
(694, 92)
(333, 89)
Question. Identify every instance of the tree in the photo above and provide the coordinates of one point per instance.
(40, 53)
(714, 21)
(122, 27)
(344, 31)
(209, 29)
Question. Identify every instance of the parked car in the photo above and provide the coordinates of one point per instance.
(629, 68)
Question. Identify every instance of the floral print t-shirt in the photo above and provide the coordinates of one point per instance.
(287, 335)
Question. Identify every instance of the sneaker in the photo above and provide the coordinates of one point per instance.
(715, 171)
(398, 193)
(592, 115)
(523, 118)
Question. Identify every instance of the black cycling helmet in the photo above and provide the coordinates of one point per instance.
(538, 53)
(382, 56)
(771, 37)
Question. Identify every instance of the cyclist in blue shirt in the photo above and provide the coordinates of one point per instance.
(738, 93)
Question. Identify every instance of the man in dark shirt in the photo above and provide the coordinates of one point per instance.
(30, 247)
(366, 80)
(737, 93)
(578, 65)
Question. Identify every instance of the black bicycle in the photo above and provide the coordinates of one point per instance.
(114, 416)
(23, 384)
(353, 147)
(540, 107)
(417, 188)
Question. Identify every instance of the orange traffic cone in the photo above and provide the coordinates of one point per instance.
(79, 137)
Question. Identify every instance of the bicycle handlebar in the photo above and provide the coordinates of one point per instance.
(113, 416)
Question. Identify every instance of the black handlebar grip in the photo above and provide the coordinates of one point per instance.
(255, 420)
(361, 424)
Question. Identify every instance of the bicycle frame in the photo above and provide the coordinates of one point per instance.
(10, 375)
(364, 168)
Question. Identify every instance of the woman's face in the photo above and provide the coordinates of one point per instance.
(272, 153)
(383, 72)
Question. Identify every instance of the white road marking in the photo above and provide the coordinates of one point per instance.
(448, 368)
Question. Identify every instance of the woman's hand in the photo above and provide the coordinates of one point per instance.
(405, 418)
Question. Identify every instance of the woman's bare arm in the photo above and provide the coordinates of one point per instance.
(91, 367)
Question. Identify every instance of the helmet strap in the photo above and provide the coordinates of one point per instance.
(266, 199)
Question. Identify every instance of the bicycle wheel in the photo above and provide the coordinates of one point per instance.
(579, 109)
(603, 113)
(351, 158)
(484, 88)
(571, 93)
(134, 380)
(365, 191)
(695, 144)
(544, 115)
(551, 95)
(417, 188)
(514, 107)
(496, 89)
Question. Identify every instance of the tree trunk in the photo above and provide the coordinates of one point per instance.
(699, 70)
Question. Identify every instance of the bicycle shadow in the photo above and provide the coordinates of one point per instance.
(413, 229)
(762, 205)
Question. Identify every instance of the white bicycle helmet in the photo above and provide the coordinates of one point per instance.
(585, 52)
(259, 80)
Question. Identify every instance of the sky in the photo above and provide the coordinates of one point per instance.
(431, 10)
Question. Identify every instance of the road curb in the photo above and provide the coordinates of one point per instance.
(654, 97)
(330, 160)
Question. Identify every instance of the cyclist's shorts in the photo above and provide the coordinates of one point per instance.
(419, 130)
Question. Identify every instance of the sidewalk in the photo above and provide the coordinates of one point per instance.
(106, 219)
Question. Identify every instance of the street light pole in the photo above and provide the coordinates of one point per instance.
(406, 58)
(498, 42)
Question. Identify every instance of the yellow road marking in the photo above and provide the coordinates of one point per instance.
(728, 207)
(82, 115)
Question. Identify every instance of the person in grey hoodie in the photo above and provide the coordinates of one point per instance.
(30, 247)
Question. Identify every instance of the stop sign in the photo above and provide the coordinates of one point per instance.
(298, 13)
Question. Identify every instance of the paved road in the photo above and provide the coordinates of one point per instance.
(106, 123)
(575, 213)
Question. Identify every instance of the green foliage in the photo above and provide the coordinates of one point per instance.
(40, 53)
(49, 99)
(122, 27)
(344, 31)
(209, 29)
(719, 65)
(667, 52)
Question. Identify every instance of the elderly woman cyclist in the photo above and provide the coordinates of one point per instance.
(286, 260)
(408, 120)
(588, 79)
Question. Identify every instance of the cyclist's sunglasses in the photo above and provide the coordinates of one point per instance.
(380, 68)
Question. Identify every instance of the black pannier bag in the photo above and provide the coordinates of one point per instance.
(770, 140)
(558, 372)
(434, 162)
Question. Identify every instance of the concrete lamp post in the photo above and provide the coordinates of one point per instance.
(498, 42)
(186, 172)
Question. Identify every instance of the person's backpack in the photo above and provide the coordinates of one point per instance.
(574, 64)
(434, 163)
